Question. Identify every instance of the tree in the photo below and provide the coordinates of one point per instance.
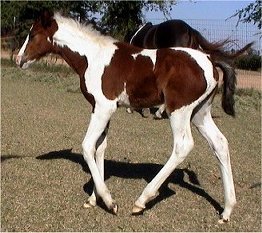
(251, 13)
(120, 17)
(16, 17)
(117, 17)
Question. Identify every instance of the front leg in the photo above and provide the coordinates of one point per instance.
(101, 145)
(98, 123)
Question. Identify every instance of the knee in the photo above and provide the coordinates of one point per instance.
(221, 145)
(101, 149)
(88, 150)
(222, 150)
(184, 147)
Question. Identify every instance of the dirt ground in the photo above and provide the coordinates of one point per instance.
(45, 181)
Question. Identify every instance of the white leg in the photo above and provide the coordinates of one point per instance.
(101, 146)
(183, 143)
(145, 112)
(217, 141)
(129, 110)
(160, 111)
(97, 125)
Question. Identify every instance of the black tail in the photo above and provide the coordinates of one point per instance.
(216, 50)
(225, 61)
(229, 87)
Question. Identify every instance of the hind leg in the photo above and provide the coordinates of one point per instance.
(217, 141)
(159, 112)
(183, 143)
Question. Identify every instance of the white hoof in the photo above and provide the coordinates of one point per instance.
(137, 210)
(114, 208)
(129, 110)
(89, 204)
(222, 221)
(158, 115)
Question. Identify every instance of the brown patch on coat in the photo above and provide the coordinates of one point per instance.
(137, 74)
(79, 64)
(176, 78)
(181, 78)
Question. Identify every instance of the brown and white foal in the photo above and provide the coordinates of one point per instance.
(114, 74)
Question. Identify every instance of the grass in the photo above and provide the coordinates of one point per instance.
(45, 181)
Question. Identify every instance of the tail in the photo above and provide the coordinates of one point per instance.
(216, 50)
(225, 61)
(229, 87)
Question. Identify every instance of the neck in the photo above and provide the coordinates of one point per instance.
(77, 62)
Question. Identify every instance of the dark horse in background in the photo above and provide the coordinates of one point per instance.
(177, 33)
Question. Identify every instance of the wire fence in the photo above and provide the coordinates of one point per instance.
(241, 34)
(217, 30)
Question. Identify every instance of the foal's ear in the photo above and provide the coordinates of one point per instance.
(46, 17)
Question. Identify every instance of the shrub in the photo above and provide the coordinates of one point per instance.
(249, 62)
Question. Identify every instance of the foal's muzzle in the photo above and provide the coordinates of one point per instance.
(22, 62)
(19, 60)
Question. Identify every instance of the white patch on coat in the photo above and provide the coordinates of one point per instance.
(203, 61)
(147, 53)
(22, 50)
(21, 54)
(97, 48)
(78, 37)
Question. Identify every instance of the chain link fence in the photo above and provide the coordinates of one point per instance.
(241, 34)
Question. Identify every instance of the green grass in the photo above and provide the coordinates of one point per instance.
(62, 76)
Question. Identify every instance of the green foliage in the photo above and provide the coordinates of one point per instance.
(249, 62)
(120, 17)
(17, 17)
(251, 13)
(117, 17)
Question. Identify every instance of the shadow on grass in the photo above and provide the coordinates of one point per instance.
(7, 157)
(146, 171)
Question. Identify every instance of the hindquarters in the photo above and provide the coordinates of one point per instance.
(185, 76)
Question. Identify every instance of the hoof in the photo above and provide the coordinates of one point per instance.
(157, 116)
(145, 112)
(89, 204)
(137, 210)
(222, 220)
(129, 110)
(114, 208)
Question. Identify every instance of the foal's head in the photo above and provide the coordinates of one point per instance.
(39, 40)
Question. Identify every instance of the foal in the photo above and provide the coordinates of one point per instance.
(114, 74)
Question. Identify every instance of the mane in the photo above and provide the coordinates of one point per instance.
(82, 30)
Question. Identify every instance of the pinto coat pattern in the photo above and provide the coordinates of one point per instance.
(114, 74)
